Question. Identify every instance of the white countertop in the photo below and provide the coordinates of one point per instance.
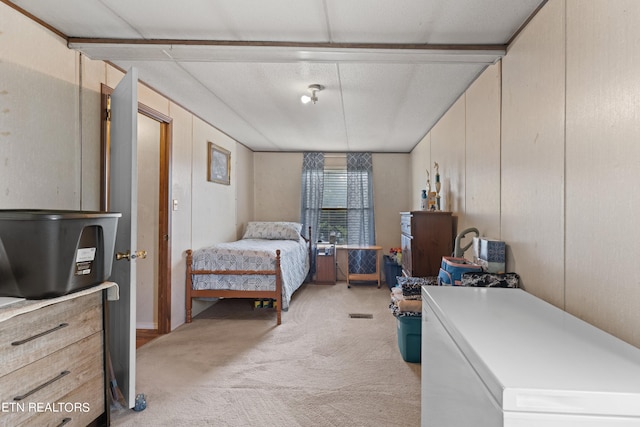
(15, 306)
(9, 300)
(535, 357)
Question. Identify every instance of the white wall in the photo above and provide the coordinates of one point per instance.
(550, 156)
(602, 203)
(213, 204)
(277, 186)
(40, 166)
(447, 149)
(391, 173)
(420, 164)
(533, 154)
(466, 145)
(93, 73)
(244, 164)
(181, 177)
(482, 154)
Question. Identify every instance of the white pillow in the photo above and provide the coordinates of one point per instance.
(280, 230)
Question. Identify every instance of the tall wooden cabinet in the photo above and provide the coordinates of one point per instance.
(426, 238)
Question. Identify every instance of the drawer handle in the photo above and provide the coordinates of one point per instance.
(41, 386)
(64, 422)
(41, 334)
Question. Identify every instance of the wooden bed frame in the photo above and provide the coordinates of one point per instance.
(226, 293)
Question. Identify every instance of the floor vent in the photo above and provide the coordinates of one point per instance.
(361, 316)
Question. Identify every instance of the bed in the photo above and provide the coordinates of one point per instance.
(271, 261)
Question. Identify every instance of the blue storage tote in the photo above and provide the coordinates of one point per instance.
(391, 271)
(452, 268)
(410, 338)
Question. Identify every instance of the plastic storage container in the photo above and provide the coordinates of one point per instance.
(410, 338)
(46, 254)
(452, 268)
(391, 271)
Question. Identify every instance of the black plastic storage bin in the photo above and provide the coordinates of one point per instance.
(391, 271)
(46, 254)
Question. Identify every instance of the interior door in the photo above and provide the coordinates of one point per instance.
(123, 198)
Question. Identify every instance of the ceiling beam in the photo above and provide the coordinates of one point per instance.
(249, 43)
(261, 51)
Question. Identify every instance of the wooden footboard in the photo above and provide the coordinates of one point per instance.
(224, 293)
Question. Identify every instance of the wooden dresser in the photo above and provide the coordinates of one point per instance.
(426, 237)
(53, 361)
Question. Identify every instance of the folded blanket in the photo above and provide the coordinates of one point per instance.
(412, 286)
(402, 305)
(395, 310)
(409, 305)
(396, 292)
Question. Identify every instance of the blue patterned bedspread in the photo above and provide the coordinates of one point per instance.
(253, 254)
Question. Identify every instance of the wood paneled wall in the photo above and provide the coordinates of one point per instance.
(551, 159)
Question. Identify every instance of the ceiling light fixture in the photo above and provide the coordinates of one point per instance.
(305, 99)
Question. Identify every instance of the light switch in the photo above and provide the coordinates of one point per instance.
(175, 204)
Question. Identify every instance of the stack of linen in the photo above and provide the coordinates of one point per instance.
(406, 299)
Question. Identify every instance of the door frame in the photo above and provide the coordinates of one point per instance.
(164, 214)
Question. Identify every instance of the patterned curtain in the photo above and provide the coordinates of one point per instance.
(360, 218)
(312, 191)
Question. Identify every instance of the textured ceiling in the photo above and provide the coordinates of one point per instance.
(390, 69)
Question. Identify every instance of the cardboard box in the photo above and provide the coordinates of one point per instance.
(492, 255)
(492, 250)
(492, 267)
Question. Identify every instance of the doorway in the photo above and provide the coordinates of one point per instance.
(153, 279)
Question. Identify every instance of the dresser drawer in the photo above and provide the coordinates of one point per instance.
(49, 379)
(31, 336)
(88, 404)
(405, 224)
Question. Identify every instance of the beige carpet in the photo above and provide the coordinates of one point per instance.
(233, 367)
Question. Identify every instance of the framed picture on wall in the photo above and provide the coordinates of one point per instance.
(219, 165)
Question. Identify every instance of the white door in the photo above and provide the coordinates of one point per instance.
(123, 189)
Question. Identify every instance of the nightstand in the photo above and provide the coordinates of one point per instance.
(326, 265)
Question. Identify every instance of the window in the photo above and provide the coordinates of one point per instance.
(337, 196)
(333, 216)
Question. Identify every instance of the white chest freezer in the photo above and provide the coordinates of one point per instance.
(503, 357)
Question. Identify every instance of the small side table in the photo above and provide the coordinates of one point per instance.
(375, 276)
(326, 265)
